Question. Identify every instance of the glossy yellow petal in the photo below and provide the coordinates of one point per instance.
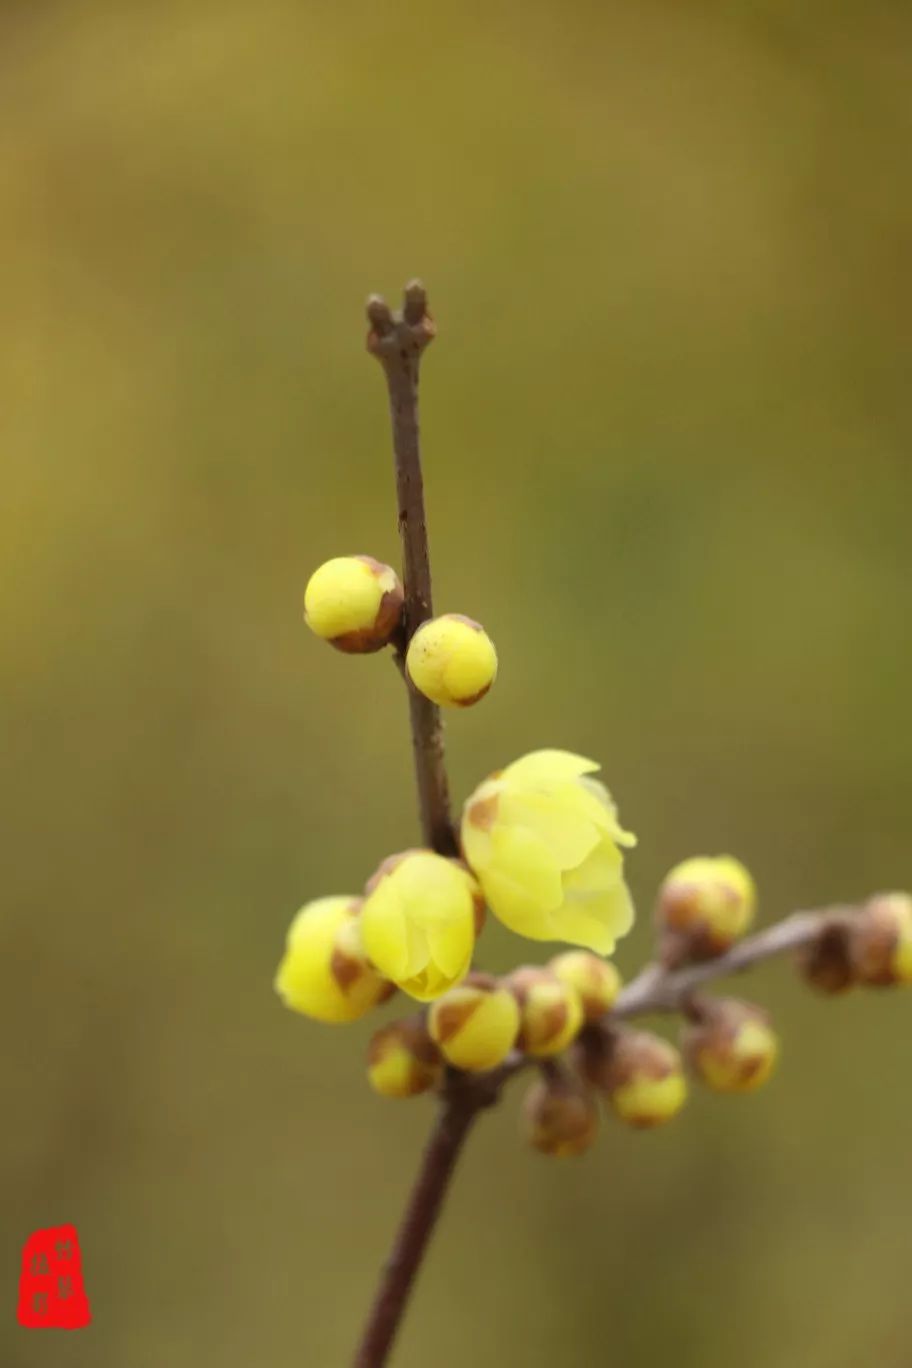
(601, 870)
(523, 884)
(384, 933)
(548, 767)
(567, 835)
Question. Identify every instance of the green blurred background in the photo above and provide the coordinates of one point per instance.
(667, 429)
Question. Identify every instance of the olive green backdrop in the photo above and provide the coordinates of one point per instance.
(667, 428)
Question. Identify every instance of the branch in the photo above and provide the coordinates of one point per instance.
(462, 1101)
(398, 341)
(660, 990)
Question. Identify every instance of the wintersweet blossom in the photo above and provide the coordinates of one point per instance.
(544, 841)
(324, 972)
(418, 921)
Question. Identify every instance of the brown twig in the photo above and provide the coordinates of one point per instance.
(458, 1111)
(398, 341)
(660, 990)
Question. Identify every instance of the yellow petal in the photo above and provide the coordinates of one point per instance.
(596, 920)
(451, 946)
(568, 836)
(548, 767)
(384, 932)
(600, 870)
(522, 884)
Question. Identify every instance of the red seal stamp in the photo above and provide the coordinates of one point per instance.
(52, 1295)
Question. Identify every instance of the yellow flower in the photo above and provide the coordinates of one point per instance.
(476, 1024)
(402, 1060)
(451, 660)
(418, 921)
(353, 602)
(732, 1047)
(704, 905)
(324, 973)
(596, 980)
(543, 839)
(550, 1011)
(642, 1077)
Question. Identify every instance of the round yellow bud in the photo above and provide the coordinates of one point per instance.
(402, 1060)
(642, 1076)
(550, 1012)
(324, 972)
(732, 1048)
(476, 1024)
(880, 941)
(451, 660)
(559, 1117)
(419, 921)
(354, 602)
(704, 905)
(595, 980)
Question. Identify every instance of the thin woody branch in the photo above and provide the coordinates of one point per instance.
(457, 1114)
(660, 990)
(398, 342)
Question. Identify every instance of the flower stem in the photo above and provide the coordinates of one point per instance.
(398, 341)
(457, 1114)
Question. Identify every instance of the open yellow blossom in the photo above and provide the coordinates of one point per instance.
(544, 841)
(418, 921)
(324, 972)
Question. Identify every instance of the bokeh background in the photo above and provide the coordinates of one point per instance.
(667, 430)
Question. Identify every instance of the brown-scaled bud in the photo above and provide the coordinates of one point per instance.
(880, 941)
(476, 1023)
(559, 1117)
(402, 1060)
(825, 964)
(355, 603)
(550, 1012)
(641, 1075)
(730, 1045)
(705, 904)
(596, 980)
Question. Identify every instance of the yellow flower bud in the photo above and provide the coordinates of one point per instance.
(550, 1012)
(451, 660)
(354, 602)
(880, 941)
(543, 839)
(641, 1075)
(704, 905)
(324, 972)
(559, 1117)
(731, 1046)
(402, 1060)
(476, 1024)
(596, 980)
(418, 921)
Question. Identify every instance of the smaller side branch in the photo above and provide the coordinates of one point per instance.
(660, 990)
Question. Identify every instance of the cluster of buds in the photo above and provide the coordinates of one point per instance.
(415, 927)
(541, 846)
